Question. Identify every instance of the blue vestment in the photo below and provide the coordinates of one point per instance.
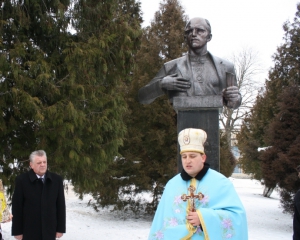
(220, 211)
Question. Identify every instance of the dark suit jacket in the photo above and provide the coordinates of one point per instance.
(181, 66)
(296, 219)
(38, 208)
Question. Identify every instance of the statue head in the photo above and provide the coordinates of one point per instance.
(197, 33)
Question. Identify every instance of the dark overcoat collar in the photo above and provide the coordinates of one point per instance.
(33, 177)
(199, 176)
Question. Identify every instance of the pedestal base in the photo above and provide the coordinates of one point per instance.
(208, 120)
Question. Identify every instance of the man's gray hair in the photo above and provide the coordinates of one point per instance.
(39, 153)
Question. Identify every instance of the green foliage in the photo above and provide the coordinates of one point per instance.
(227, 159)
(64, 93)
(149, 153)
(279, 162)
(251, 137)
(31, 62)
(120, 187)
(274, 121)
(152, 129)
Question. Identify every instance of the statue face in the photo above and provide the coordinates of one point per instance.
(196, 33)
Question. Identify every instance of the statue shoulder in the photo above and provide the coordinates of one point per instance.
(217, 60)
(175, 62)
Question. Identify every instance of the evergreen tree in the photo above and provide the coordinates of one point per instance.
(251, 137)
(157, 140)
(227, 159)
(64, 93)
(285, 73)
(274, 129)
(108, 36)
(150, 147)
(33, 35)
(279, 162)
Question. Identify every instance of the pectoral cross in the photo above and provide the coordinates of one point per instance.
(192, 198)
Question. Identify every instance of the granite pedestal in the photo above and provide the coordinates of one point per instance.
(201, 112)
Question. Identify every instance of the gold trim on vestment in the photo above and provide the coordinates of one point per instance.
(191, 229)
(206, 237)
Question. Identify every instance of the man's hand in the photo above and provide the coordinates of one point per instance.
(193, 219)
(59, 235)
(172, 82)
(231, 95)
(19, 237)
(10, 218)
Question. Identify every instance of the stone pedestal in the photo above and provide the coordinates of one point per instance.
(201, 112)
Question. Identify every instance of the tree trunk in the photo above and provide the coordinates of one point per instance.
(268, 191)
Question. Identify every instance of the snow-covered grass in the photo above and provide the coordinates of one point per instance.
(265, 218)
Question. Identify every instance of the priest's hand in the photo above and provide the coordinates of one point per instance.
(193, 219)
(173, 82)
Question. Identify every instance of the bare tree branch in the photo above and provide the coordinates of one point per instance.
(247, 68)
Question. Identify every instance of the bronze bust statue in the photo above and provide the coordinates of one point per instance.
(198, 73)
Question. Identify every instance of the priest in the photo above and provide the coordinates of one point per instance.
(199, 203)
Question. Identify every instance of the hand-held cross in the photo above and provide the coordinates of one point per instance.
(192, 198)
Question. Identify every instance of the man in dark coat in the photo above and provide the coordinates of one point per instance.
(38, 202)
(296, 219)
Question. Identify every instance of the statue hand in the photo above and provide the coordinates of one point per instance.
(172, 82)
(231, 95)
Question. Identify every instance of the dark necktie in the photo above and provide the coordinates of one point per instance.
(42, 179)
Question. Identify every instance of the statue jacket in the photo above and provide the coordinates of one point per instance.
(220, 210)
(182, 67)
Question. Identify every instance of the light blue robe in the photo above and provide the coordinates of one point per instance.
(221, 212)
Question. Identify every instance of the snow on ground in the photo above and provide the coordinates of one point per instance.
(265, 218)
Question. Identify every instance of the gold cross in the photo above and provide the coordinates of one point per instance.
(192, 198)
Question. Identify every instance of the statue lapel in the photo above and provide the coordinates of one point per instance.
(221, 70)
(185, 69)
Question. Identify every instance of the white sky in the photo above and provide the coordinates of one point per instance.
(237, 24)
